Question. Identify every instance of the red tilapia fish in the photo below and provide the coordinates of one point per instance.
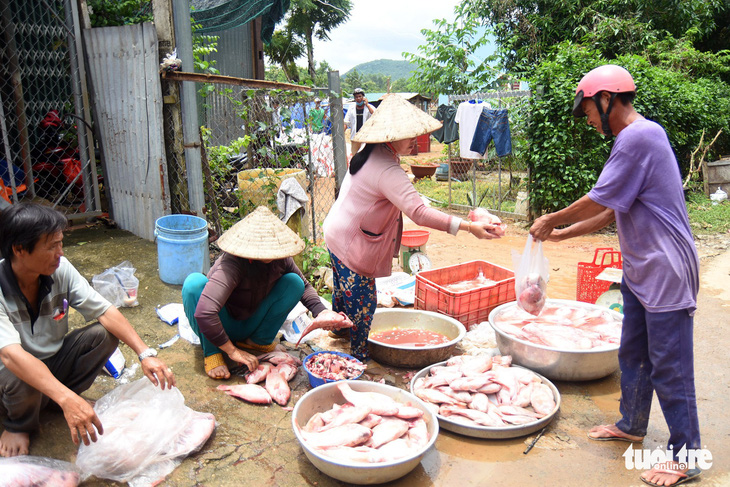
(563, 327)
(331, 366)
(328, 325)
(531, 293)
(482, 215)
(485, 391)
(275, 378)
(31, 471)
(369, 428)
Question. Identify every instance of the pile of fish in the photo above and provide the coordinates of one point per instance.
(563, 327)
(482, 215)
(369, 428)
(481, 391)
(479, 281)
(331, 366)
(531, 291)
(275, 369)
(31, 471)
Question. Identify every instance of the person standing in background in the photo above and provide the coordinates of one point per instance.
(358, 113)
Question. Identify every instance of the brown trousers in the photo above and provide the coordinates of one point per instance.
(76, 365)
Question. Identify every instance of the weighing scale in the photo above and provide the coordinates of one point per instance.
(611, 299)
(414, 259)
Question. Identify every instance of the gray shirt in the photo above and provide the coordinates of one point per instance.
(43, 337)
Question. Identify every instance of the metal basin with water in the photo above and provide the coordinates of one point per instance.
(410, 356)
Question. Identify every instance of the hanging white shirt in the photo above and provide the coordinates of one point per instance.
(467, 116)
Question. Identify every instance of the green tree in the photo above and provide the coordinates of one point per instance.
(108, 13)
(285, 49)
(446, 62)
(527, 30)
(310, 18)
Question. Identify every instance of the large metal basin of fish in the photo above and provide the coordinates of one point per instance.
(413, 356)
(553, 363)
(494, 432)
(321, 399)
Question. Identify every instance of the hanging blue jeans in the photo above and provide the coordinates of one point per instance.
(656, 355)
(355, 296)
(492, 124)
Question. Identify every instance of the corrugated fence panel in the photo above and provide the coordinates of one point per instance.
(124, 68)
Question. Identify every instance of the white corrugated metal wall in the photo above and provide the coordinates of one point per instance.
(124, 68)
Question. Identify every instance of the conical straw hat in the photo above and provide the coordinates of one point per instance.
(395, 119)
(261, 236)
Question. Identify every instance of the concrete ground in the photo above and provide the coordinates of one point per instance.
(255, 445)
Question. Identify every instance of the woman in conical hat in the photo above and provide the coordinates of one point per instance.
(248, 293)
(363, 228)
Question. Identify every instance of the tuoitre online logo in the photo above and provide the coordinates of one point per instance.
(644, 459)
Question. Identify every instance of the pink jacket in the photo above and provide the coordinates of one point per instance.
(362, 229)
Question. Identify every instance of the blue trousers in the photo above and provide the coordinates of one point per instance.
(355, 296)
(656, 355)
(492, 124)
(261, 327)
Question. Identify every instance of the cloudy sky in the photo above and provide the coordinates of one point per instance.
(380, 29)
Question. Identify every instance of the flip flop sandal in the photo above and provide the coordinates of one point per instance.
(613, 437)
(683, 477)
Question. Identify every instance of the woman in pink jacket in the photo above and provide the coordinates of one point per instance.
(363, 229)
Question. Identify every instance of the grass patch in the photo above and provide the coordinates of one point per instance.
(462, 193)
(706, 218)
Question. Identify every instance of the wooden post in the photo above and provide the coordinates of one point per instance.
(172, 110)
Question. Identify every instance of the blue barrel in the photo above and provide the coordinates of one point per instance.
(182, 247)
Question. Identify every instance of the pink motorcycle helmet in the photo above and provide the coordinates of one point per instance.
(609, 77)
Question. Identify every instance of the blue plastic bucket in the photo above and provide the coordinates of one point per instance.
(182, 247)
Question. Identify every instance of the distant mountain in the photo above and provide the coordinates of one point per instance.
(387, 67)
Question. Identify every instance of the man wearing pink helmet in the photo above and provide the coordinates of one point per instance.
(640, 188)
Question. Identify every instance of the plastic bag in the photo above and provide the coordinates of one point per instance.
(532, 272)
(34, 471)
(483, 215)
(147, 433)
(718, 196)
(118, 285)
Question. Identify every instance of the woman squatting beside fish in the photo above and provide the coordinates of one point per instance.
(248, 293)
(363, 228)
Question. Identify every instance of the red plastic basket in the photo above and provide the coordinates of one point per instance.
(469, 307)
(589, 288)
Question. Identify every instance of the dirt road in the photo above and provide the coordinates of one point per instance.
(255, 445)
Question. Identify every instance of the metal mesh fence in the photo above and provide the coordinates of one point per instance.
(496, 183)
(47, 150)
(260, 147)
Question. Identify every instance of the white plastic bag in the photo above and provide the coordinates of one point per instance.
(147, 433)
(118, 285)
(27, 471)
(532, 272)
(718, 196)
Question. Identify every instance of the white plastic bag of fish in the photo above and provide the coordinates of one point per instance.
(531, 277)
(147, 433)
(27, 471)
(483, 215)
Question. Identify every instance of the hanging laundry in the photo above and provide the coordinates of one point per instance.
(449, 132)
(492, 124)
(467, 116)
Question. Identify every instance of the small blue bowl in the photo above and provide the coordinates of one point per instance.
(315, 381)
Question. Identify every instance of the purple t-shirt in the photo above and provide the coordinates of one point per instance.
(642, 184)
